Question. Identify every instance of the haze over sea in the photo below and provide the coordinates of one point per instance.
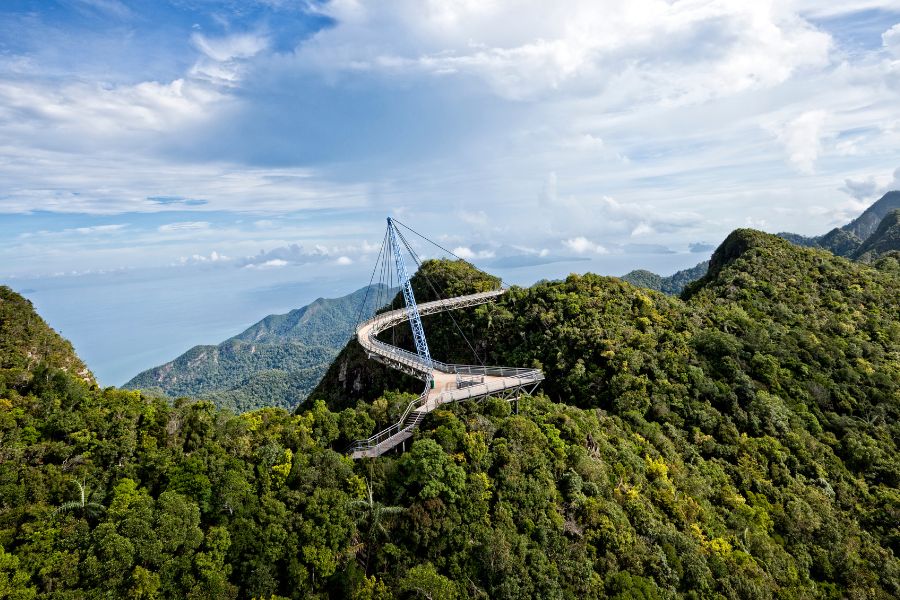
(160, 314)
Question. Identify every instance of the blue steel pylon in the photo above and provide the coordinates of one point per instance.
(412, 309)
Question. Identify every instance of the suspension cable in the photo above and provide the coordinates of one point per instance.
(433, 243)
(440, 297)
(362, 307)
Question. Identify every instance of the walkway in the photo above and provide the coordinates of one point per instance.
(452, 383)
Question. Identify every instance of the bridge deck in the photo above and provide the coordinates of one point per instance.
(452, 383)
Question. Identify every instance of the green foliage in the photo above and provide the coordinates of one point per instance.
(27, 343)
(737, 443)
(430, 473)
(424, 582)
(14, 582)
(672, 284)
(742, 443)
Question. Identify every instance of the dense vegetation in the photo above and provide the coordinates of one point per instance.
(885, 239)
(672, 284)
(776, 384)
(275, 362)
(27, 342)
(738, 443)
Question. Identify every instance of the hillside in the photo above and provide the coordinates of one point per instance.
(671, 284)
(777, 378)
(867, 223)
(739, 443)
(275, 362)
(885, 239)
(27, 343)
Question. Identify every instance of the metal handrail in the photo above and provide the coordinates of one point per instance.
(394, 429)
(476, 390)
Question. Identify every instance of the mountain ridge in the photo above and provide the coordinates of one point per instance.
(886, 238)
(281, 356)
(842, 241)
(26, 341)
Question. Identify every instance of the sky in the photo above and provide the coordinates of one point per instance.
(171, 171)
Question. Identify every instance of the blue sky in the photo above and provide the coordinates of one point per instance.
(174, 170)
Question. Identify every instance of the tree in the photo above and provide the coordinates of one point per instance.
(425, 582)
(83, 506)
(371, 515)
(428, 469)
(14, 583)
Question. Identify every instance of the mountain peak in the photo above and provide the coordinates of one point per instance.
(275, 362)
(886, 238)
(322, 321)
(738, 243)
(26, 341)
(867, 223)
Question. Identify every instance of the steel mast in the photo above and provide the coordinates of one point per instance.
(412, 309)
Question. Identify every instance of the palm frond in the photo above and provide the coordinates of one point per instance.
(70, 505)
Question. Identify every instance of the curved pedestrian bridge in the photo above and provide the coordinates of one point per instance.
(444, 382)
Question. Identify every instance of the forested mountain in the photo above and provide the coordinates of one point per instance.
(275, 362)
(672, 284)
(846, 240)
(27, 343)
(738, 443)
(885, 239)
(865, 225)
(842, 241)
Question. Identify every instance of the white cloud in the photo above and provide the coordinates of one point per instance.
(802, 139)
(95, 229)
(111, 182)
(196, 259)
(582, 245)
(819, 9)
(223, 58)
(642, 228)
(241, 45)
(344, 260)
(525, 48)
(589, 120)
(861, 189)
(269, 264)
(891, 40)
(183, 226)
(47, 112)
(755, 223)
(468, 254)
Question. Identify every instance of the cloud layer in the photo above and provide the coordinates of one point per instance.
(591, 127)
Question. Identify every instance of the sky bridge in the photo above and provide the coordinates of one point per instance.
(444, 383)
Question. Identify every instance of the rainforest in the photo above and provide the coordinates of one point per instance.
(737, 442)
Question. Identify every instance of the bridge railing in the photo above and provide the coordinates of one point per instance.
(475, 390)
(412, 359)
(400, 425)
(388, 319)
(470, 378)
